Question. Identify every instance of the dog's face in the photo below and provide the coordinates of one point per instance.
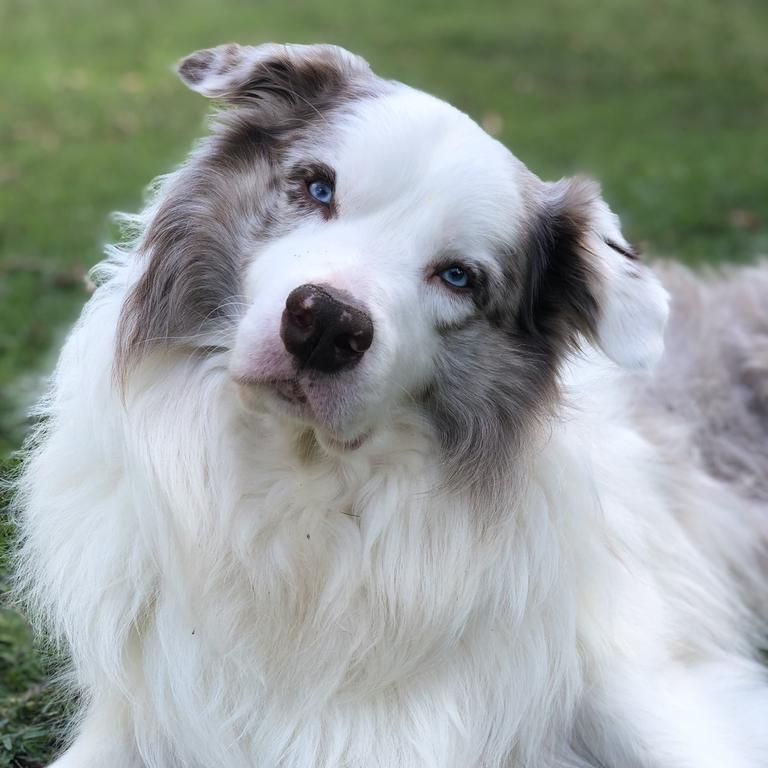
(358, 247)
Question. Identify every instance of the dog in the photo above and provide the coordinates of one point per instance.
(367, 452)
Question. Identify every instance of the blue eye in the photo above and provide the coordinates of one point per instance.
(322, 191)
(456, 277)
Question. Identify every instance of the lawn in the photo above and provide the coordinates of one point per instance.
(665, 101)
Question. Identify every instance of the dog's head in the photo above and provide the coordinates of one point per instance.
(358, 247)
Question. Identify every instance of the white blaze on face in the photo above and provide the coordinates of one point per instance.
(417, 182)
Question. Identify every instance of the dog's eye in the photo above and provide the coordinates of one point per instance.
(321, 190)
(455, 276)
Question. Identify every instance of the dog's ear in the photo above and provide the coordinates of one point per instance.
(270, 73)
(583, 276)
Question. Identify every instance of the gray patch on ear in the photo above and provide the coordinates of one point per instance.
(559, 301)
(271, 73)
(195, 67)
(191, 284)
(225, 201)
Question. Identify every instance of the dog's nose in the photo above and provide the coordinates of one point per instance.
(323, 331)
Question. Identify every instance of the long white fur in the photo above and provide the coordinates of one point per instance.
(227, 603)
(222, 614)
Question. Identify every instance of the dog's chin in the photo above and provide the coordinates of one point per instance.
(307, 404)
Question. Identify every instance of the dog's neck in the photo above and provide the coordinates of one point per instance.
(258, 486)
(348, 577)
(327, 583)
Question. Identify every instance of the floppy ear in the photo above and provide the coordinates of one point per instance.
(244, 73)
(584, 276)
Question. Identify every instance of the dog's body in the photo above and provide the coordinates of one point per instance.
(342, 467)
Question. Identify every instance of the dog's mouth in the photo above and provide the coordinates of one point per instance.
(308, 403)
(289, 391)
(342, 446)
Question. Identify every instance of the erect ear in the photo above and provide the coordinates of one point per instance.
(584, 276)
(244, 73)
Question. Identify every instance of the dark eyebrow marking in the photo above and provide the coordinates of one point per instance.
(312, 170)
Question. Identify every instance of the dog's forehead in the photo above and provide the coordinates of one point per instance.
(414, 148)
(407, 130)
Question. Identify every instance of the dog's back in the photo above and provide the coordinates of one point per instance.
(714, 373)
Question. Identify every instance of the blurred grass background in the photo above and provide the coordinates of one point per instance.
(664, 101)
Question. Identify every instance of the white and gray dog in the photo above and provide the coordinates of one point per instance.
(366, 453)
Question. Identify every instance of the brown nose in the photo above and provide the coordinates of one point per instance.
(323, 331)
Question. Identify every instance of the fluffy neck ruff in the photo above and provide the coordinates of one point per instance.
(323, 587)
(252, 598)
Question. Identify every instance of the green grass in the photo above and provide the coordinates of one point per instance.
(32, 714)
(666, 102)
